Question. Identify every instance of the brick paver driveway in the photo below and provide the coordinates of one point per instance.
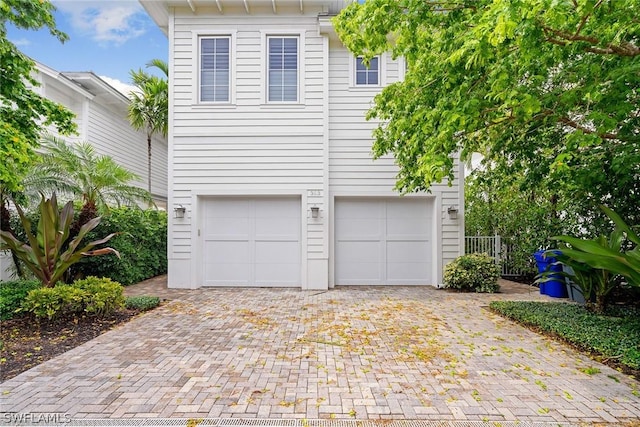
(349, 353)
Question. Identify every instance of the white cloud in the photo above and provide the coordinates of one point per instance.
(21, 42)
(112, 22)
(121, 87)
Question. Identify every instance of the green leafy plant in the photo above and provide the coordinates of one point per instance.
(473, 272)
(54, 302)
(597, 261)
(141, 242)
(93, 295)
(12, 294)
(102, 295)
(142, 302)
(609, 253)
(614, 334)
(47, 254)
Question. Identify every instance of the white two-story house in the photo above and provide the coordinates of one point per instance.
(271, 176)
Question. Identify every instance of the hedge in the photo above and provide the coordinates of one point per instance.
(142, 243)
(12, 294)
(614, 335)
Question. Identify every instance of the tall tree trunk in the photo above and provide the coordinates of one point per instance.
(149, 159)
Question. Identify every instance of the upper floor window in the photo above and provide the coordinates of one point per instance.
(368, 75)
(282, 73)
(215, 69)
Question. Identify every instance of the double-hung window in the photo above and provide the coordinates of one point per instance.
(367, 75)
(282, 69)
(215, 69)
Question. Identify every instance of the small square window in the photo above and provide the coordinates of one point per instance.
(367, 75)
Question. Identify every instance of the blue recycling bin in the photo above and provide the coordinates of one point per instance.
(554, 288)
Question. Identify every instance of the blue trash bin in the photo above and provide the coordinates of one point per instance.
(554, 288)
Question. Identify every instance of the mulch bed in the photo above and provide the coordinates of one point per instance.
(25, 342)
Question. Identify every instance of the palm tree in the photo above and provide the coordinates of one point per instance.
(78, 170)
(149, 106)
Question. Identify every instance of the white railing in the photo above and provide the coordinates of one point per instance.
(495, 248)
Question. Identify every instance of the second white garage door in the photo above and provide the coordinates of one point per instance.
(251, 241)
(383, 241)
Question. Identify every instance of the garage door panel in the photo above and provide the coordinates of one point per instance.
(229, 251)
(238, 274)
(408, 251)
(359, 273)
(354, 228)
(286, 227)
(227, 226)
(408, 273)
(227, 208)
(277, 252)
(277, 208)
(383, 241)
(277, 274)
(359, 209)
(359, 252)
(252, 241)
(408, 227)
(407, 208)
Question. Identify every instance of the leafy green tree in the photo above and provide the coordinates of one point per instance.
(543, 88)
(23, 112)
(525, 219)
(149, 106)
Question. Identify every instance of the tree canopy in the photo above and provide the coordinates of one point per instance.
(23, 113)
(548, 89)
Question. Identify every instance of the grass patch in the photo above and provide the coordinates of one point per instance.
(613, 337)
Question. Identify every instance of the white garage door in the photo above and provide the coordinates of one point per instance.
(383, 241)
(252, 241)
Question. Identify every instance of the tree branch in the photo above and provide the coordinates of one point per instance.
(562, 38)
(572, 123)
(585, 18)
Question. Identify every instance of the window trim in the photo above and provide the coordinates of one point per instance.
(264, 60)
(382, 73)
(197, 37)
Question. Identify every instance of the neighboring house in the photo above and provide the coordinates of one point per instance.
(270, 156)
(101, 116)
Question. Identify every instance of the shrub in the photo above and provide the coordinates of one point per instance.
(473, 272)
(141, 242)
(54, 302)
(615, 334)
(99, 296)
(142, 302)
(12, 294)
(102, 295)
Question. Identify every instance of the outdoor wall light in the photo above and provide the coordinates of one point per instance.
(453, 212)
(315, 212)
(179, 211)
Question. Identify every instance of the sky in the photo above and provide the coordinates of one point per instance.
(108, 37)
